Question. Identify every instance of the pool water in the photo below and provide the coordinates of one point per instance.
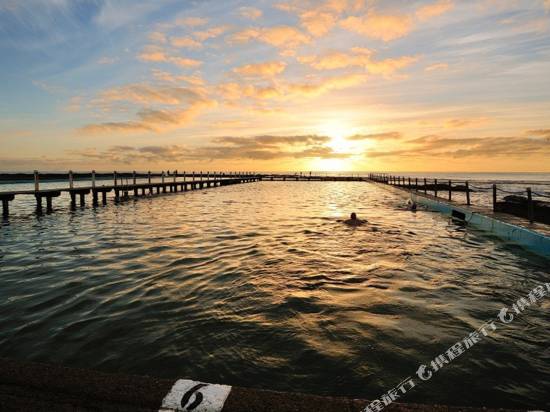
(262, 285)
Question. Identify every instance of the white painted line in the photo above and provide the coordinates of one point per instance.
(187, 395)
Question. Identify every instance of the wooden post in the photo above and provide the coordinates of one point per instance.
(425, 186)
(467, 193)
(36, 183)
(5, 208)
(162, 177)
(134, 177)
(530, 206)
(450, 190)
(149, 177)
(435, 187)
(38, 204)
(49, 207)
(494, 198)
(104, 198)
(416, 184)
(93, 179)
(184, 175)
(71, 179)
(82, 199)
(115, 177)
(409, 183)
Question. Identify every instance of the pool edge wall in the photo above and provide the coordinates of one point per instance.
(528, 239)
(30, 386)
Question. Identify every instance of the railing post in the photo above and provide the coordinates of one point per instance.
(416, 184)
(115, 177)
(134, 177)
(409, 183)
(467, 193)
(71, 184)
(450, 190)
(184, 175)
(435, 187)
(425, 186)
(494, 197)
(530, 206)
(93, 179)
(175, 175)
(149, 177)
(162, 177)
(36, 181)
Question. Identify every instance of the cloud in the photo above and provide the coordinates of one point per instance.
(388, 27)
(157, 37)
(282, 37)
(268, 69)
(376, 136)
(251, 13)
(484, 147)
(357, 57)
(157, 54)
(384, 27)
(147, 94)
(269, 147)
(195, 79)
(319, 17)
(189, 104)
(234, 91)
(433, 10)
(210, 33)
(436, 67)
(129, 154)
(539, 132)
(185, 42)
(192, 21)
(264, 147)
(465, 122)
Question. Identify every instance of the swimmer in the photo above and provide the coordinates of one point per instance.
(353, 221)
(412, 205)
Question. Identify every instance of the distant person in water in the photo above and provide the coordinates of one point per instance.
(353, 221)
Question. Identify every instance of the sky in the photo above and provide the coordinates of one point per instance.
(296, 85)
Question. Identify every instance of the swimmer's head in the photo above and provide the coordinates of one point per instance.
(353, 216)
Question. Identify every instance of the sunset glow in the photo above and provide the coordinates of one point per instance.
(356, 85)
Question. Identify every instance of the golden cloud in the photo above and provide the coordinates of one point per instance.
(149, 119)
(433, 10)
(157, 54)
(357, 57)
(251, 13)
(185, 42)
(192, 21)
(283, 37)
(268, 69)
(210, 33)
(384, 27)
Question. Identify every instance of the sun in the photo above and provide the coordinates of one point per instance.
(338, 132)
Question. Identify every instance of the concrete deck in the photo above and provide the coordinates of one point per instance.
(26, 386)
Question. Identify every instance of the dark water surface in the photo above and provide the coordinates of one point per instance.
(259, 285)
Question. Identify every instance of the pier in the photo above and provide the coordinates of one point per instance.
(122, 187)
